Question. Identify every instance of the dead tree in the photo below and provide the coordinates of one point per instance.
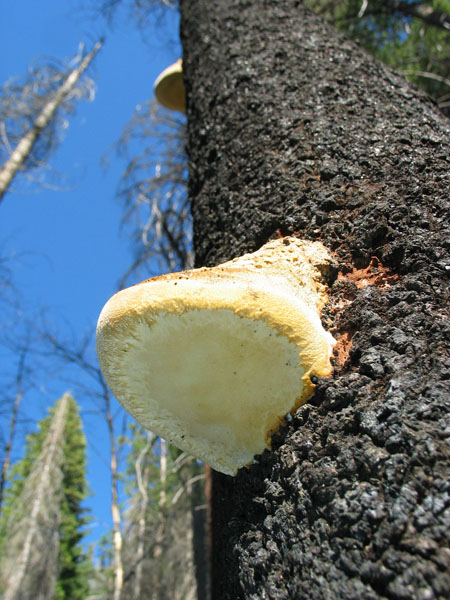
(29, 98)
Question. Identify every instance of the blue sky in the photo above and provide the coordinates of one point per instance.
(64, 247)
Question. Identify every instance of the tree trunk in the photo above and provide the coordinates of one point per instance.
(115, 507)
(294, 130)
(143, 480)
(23, 149)
(30, 566)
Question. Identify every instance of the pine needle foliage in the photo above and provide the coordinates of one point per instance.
(42, 523)
(73, 565)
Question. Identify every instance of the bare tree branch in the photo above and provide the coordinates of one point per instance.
(154, 190)
(15, 411)
(142, 481)
(424, 12)
(428, 75)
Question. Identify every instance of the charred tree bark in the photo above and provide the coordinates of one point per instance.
(294, 130)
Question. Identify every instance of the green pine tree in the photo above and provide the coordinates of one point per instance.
(43, 520)
(74, 568)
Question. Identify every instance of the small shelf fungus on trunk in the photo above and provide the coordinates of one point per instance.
(169, 87)
(213, 359)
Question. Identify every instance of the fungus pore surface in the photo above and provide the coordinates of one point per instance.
(213, 359)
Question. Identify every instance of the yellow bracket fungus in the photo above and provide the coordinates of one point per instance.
(169, 87)
(213, 359)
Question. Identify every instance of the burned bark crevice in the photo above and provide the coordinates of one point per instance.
(295, 130)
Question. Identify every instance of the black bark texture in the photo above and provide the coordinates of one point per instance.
(294, 130)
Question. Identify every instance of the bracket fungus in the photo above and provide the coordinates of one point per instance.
(213, 359)
(169, 87)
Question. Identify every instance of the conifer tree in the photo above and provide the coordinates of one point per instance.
(30, 114)
(42, 521)
(73, 564)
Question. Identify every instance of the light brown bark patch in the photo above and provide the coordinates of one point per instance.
(342, 348)
(374, 274)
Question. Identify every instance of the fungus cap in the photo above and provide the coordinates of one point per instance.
(213, 359)
(169, 87)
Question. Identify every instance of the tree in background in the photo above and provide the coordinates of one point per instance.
(139, 11)
(11, 399)
(163, 492)
(153, 188)
(42, 520)
(74, 567)
(34, 113)
(158, 548)
(78, 355)
(16, 379)
(412, 37)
